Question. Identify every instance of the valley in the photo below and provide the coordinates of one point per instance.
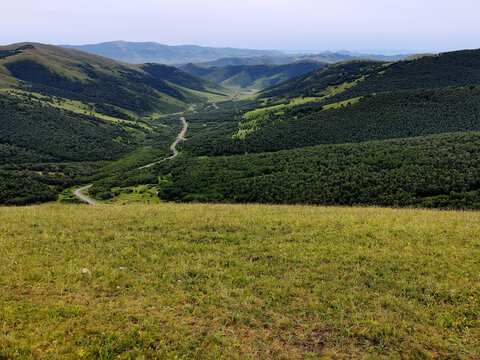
(197, 180)
(356, 132)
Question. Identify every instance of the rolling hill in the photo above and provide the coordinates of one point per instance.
(152, 52)
(75, 75)
(252, 77)
(356, 132)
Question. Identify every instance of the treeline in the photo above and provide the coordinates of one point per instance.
(175, 75)
(16, 190)
(435, 171)
(383, 116)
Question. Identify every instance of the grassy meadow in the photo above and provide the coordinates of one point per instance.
(180, 281)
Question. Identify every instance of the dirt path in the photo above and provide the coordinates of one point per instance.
(173, 147)
(78, 193)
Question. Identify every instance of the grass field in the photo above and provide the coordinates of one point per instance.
(238, 281)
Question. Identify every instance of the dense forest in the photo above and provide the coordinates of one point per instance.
(383, 116)
(433, 171)
(60, 134)
(44, 150)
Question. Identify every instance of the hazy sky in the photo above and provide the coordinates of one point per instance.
(428, 25)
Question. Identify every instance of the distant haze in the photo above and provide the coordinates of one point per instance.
(314, 25)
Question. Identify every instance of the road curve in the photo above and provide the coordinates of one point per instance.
(179, 138)
(173, 147)
(78, 193)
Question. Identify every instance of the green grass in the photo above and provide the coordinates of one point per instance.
(245, 281)
(342, 103)
(262, 111)
(252, 117)
(140, 193)
(77, 107)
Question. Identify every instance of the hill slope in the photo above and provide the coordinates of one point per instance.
(76, 75)
(355, 101)
(253, 77)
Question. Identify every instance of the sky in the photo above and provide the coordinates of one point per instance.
(307, 25)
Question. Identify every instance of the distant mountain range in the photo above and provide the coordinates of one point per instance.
(152, 52)
(326, 57)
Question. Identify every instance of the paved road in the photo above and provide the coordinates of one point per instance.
(180, 137)
(78, 193)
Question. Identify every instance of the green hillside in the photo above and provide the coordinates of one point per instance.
(253, 77)
(430, 171)
(383, 116)
(457, 68)
(84, 77)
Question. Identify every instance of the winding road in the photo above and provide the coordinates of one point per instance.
(173, 147)
(179, 138)
(78, 193)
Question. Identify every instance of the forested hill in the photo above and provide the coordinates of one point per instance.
(447, 69)
(75, 75)
(254, 77)
(355, 101)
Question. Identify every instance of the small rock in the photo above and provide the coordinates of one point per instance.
(86, 271)
(122, 268)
